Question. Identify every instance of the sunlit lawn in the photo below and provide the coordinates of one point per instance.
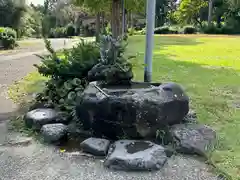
(208, 67)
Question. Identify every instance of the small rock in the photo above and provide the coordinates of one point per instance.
(193, 138)
(37, 118)
(53, 132)
(191, 117)
(95, 146)
(135, 155)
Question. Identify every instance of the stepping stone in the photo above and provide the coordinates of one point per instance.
(130, 155)
(95, 146)
(53, 132)
(38, 117)
(193, 138)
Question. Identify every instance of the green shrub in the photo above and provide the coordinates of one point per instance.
(8, 37)
(74, 63)
(131, 31)
(59, 32)
(189, 30)
(213, 29)
(166, 30)
(229, 30)
(70, 30)
(9, 32)
(162, 30)
(141, 32)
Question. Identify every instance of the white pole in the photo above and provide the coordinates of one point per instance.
(150, 21)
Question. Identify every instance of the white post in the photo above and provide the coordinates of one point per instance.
(150, 21)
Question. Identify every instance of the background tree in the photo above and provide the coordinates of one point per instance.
(163, 10)
(189, 11)
(95, 7)
(11, 14)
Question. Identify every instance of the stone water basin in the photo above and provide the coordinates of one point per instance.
(134, 110)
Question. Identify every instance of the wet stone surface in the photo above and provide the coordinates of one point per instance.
(138, 146)
(130, 155)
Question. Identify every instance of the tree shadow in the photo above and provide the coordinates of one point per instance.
(138, 42)
(173, 40)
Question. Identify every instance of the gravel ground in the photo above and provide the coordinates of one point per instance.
(39, 162)
(34, 161)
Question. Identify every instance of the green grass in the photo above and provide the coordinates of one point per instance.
(22, 93)
(208, 67)
(24, 89)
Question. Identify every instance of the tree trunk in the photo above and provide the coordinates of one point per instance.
(131, 19)
(126, 21)
(210, 8)
(103, 21)
(219, 21)
(98, 26)
(116, 22)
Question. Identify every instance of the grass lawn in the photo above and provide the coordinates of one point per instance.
(208, 67)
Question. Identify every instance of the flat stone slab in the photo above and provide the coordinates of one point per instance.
(193, 138)
(95, 146)
(39, 117)
(130, 155)
(53, 132)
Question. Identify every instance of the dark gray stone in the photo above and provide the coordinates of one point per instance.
(38, 117)
(133, 113)
(132, 155)
(76, 131)
(53, 132)
(193, 139)
(95, 146)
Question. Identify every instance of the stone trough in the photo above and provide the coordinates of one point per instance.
(136, 110)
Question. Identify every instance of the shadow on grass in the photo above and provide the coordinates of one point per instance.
(163, 41)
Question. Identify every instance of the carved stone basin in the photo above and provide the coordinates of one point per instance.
(135, 110)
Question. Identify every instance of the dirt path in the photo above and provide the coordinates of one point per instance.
(34, 161)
